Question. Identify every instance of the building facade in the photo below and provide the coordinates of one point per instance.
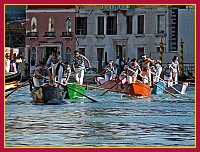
(126, 31)
(186, 33)
(49, 28)
(103, 32)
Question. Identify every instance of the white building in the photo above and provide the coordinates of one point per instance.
(186, 32)
(105, 32)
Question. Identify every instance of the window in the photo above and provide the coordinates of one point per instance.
(51, 25)
(111, 25)
(68, 25)
(33, 25)
(81, 25)
(100, 25)
(140, 52)
(82, 51)
(33, 56)
(100, 53)
(68, 54)
(161, 24)
(129, 24)
(140, 25)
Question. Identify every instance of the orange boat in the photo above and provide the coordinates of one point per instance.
(134, 89)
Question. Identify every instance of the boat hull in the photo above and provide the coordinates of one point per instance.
(48, 95)
(70, 94)
(16, 76)
(134, 89)
(11, 85)
(181, 88)
(159, 87)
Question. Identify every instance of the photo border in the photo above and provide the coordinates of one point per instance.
(112, 149)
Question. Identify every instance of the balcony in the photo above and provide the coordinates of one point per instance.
(32, 34)
(49, 35)
(66, 35)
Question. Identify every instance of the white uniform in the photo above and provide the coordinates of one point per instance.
(175, 66)
(168, 75)
(79, 67)
(157, 69)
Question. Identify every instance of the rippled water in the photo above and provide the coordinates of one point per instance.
(113, 121)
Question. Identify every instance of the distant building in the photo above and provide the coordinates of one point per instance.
(104, 32)
(48, 28)
(186, 32)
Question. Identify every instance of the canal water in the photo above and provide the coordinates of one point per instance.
(113, 121)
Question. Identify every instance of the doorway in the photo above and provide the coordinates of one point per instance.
(49, 51)
(140, 52)
(100, 52)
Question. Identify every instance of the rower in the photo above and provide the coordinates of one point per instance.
(52, 62)
(78, 66)
(132, 70)
(176, 71)
(168, 72)
(59, 69)
(66, 73)
(156, 70)
(38, 78)
(145, 66)
(109, 71)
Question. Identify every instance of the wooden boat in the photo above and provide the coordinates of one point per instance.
(47, 94)
(134, 89)
(13, 76)
(178, 88)
(11, 85)
(159, 87)
(70, 94)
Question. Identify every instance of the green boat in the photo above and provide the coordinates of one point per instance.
(70, 94)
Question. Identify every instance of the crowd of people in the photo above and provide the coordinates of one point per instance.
(60, 72)
(145, 70)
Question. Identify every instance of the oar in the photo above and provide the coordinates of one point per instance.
(102, 84)
(65, 86)
(109, 88)
(160, 87)
(94, 87)
(17, 88)
(101, 73)
(165, 90)
(93, 100)
(117, 83)
(169, 85)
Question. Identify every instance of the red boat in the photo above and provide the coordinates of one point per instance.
(134, 89)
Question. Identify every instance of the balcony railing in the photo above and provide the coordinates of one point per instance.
(32, 34)
(66, 34)
(49, 34)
